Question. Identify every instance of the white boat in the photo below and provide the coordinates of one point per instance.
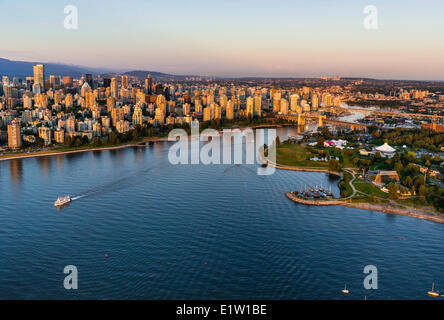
(62, 201)
(345, 291)
(433, 293)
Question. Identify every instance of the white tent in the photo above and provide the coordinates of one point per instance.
(385, 148)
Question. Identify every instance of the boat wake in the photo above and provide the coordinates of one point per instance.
(118, 184)
(78, 197)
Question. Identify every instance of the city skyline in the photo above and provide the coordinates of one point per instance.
(234, 39)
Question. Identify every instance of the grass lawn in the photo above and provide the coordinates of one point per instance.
(347, 161)
(346, 189)
(368, 188)
(297, 155)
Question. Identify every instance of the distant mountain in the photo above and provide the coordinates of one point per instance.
(141, 74)
(23, 69)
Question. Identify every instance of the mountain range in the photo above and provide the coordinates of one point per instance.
(24, 69)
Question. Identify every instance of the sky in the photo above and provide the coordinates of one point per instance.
(232, 38)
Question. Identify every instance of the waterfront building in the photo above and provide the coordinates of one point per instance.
(70, 125)
(14, 135)
(60, 136)
(122, 126)
(45, 134)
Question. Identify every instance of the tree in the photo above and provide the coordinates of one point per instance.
(377, 156)
(398, 166)
(422, 191)
(39, 142)
(408, 181)
(68, 141)
(411, 157)
(96, 142)
(320, 143)
(428, 164)
(393, 190)
(135, 135)
(112, 137)
(334, 165)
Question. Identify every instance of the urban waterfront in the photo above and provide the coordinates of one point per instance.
(197, 232)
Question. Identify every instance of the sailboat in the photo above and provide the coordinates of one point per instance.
(432, 293)
(345, 291)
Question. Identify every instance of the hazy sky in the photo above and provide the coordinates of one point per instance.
(232, 37)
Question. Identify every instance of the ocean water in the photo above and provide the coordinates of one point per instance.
(197, 232)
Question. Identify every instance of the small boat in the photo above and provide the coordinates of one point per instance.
(328, 192)
(433, 293)
(62, 201)
(345, 291)
(317, 195)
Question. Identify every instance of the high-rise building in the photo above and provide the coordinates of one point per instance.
(125, 82)
(14, 135)
(114, 88)
(284, 106)
(106, 82)
(217, 111)
(230, 110)
(294, 98)
(67, 81)
(186, 109)
(257, 105)
(68, 100)
(314, 102)
(148, 84)
(89, 79)
(250, 106)
(137, 115)
(39, 76)
(45, 134)
(60, 136)
(207, 116)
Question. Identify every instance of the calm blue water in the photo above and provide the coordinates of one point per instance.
(160, 223)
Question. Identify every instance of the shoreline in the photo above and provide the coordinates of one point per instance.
(387, 209)
(56, 152)
(135, 144)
